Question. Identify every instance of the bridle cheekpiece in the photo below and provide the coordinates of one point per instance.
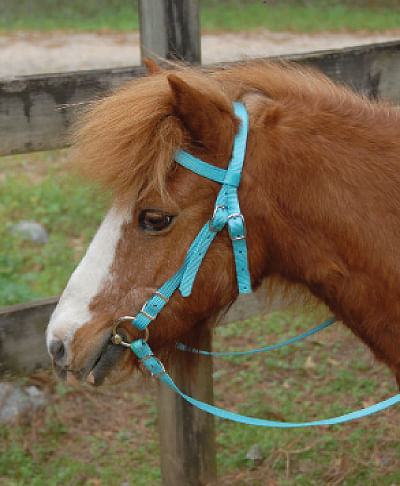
(226, 213)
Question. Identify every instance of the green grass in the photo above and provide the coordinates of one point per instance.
(233, 15)
(39, 465)
(71, 17)
(254, 16)
(280, 386)
(325, 375)
(69, 210)
(276, 385)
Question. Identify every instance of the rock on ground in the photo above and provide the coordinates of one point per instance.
(17, 402)
(29, 230)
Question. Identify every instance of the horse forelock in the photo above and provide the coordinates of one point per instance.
(126, 141)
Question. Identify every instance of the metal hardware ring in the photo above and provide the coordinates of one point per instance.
(117, 338)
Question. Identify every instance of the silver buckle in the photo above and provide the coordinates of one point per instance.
(145, 313)
(212, 219)
(163, 372)
(165, 299)
(233, 216)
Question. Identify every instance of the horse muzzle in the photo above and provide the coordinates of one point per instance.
(97, 367)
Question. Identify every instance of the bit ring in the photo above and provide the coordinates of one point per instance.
(117, 338)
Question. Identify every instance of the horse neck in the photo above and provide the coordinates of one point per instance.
(323, 192)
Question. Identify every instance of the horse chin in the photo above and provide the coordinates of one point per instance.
(111, 363)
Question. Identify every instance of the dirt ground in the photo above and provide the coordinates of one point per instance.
(27, 53)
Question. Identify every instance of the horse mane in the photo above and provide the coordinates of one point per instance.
(126, 141)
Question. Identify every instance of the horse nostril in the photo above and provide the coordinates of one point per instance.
(57, 350)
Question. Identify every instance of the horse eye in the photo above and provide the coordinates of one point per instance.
(154, 220)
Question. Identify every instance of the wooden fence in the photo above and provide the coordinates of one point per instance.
(36, 113)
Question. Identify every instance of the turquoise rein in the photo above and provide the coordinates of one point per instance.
(226, 213)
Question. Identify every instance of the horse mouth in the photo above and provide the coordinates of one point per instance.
(109, 357)
(97, 368)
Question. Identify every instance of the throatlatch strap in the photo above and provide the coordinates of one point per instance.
(226, 211)
(304, 335)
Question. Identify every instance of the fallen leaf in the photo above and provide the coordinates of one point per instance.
(310, 363)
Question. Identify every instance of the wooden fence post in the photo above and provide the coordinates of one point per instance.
(170, 29)
(187, 435)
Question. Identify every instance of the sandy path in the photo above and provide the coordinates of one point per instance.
(27, 53)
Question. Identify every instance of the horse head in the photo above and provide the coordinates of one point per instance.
(319, 193)
(128, 142)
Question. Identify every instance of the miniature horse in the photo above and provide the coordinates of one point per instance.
(320, 194)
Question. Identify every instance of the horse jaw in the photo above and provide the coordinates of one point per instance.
(92, 274)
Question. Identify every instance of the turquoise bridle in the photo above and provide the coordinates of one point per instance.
(226, 213)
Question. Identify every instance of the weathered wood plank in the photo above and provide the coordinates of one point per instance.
(22, 341)
(170, 29)
(22, 330)
(187, 435)
(35, 112)
(23, 327)
(372, 69)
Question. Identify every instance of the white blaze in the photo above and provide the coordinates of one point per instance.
(88, 279)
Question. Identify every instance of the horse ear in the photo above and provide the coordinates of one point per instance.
(200, 115)
(151, 66)
(271, 115)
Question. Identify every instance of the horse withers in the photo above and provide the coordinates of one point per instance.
(319, 192)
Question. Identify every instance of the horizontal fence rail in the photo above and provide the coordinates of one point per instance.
(37, 111)
(22, 342)
(23, 327)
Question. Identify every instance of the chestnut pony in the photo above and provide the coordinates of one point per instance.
(320, 194)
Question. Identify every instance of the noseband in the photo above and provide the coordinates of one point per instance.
(226, 213)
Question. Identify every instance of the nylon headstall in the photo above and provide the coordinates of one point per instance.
(226, 213)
